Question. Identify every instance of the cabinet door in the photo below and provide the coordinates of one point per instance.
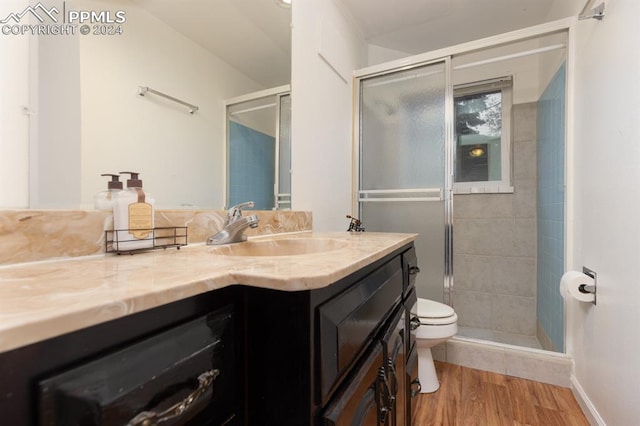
(411, 320)
(192, 364)
(412, 385)
(410, 269)
(394, 358)
(350, 320)
(362, 402)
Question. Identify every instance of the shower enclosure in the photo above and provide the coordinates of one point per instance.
(404, 182)
(468, 151)
(259, 149)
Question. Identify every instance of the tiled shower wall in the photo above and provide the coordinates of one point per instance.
(551, 129)
(495, 244)
(251, 166)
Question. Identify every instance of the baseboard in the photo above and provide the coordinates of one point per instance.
(533, 364)
(585, 403)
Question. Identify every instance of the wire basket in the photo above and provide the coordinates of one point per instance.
(159, 238)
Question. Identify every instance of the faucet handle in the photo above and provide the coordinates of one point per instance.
(235, 212)
(355, 225)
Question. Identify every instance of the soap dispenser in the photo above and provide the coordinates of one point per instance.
(133, 215)
(104, 199)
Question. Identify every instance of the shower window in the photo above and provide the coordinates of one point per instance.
(482, 126)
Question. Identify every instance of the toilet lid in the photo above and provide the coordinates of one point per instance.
(432, 309)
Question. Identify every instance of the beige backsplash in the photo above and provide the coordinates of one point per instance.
(34, 235)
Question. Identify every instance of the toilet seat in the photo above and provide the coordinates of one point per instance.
(439, 321)
(432, 309)
(430, 312)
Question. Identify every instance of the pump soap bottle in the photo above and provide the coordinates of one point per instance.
(104, 199)
(133, 215)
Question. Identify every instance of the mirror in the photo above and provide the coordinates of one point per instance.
(75, 110)
(259, 149)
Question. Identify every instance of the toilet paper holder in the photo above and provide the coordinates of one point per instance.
(585, 288)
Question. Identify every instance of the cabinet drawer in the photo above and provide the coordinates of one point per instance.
(349, 321)
(193, 359)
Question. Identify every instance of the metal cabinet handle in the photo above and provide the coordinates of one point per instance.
(413, 270)
(383, 396)
(415, 388)
(394, 381)
(151, 418)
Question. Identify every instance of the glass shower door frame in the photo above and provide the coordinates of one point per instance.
(282, 200)
(418, 194)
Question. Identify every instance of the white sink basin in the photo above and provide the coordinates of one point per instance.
(280, 247)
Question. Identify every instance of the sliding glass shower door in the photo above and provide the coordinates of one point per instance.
(405, 170)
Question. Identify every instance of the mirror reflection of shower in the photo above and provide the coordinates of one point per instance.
(259, 149)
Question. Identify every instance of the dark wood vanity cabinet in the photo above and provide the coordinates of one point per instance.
(338, 355)
(375, 393)
(147, 363)
(361, 402)
(179, 376)
(411, 383)
(332, 356)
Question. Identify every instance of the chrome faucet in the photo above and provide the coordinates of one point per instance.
(234, 226)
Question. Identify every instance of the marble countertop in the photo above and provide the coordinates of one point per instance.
(47, 299)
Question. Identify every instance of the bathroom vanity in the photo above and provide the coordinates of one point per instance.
(259, 338)
(336, 355)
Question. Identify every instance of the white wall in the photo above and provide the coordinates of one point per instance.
(564, 8)
(14, 139)
(56, 146)
(604, 339)
(378, 54)
(524, 70)
(322, 111)
(531, 73)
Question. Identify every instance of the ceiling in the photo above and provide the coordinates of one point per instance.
(417, 26)
(253, 36)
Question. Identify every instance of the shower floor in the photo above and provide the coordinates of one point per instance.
(500, 337)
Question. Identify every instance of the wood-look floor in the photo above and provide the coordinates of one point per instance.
(474, 397)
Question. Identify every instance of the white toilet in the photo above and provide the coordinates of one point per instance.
(438, 323)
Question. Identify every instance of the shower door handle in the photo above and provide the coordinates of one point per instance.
(400, 195)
